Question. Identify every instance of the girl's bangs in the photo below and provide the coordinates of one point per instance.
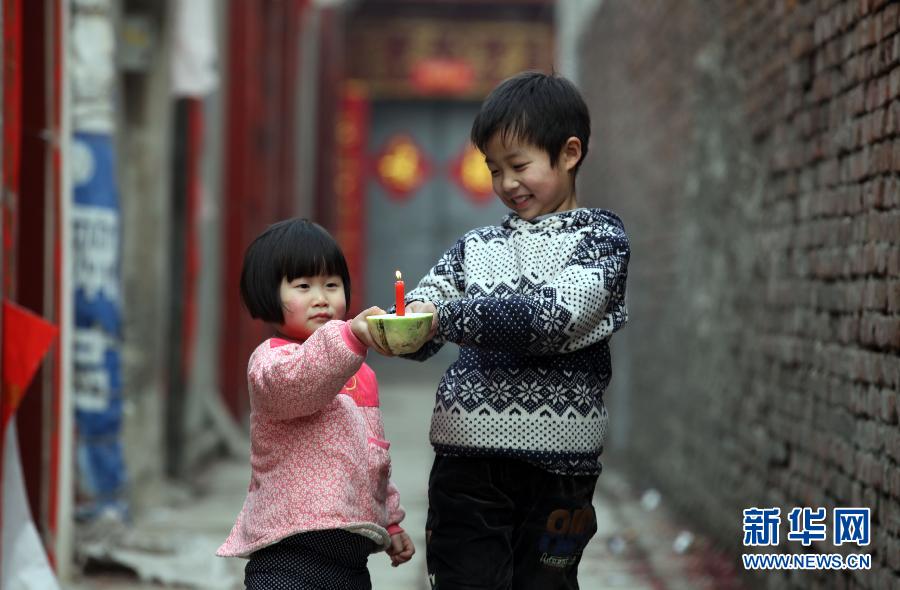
(317, 259)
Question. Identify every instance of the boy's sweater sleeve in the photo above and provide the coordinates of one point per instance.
(444, 282)
(583, 305)
(293, 380)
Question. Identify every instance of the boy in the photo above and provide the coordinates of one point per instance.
(519, 420)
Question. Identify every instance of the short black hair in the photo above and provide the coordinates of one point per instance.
(542, 109)
(288, 249)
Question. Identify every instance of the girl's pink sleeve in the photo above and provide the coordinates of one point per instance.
(293, 380)
(395, 511)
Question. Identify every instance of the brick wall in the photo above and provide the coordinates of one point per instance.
(753, 151)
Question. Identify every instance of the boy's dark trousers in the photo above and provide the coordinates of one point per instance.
(503, 524)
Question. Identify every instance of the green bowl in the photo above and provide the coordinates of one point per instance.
(400, 334)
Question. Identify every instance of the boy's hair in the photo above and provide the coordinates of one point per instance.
(541, 109)
(288, 249)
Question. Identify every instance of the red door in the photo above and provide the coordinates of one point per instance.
(32, 263)
(259, 162)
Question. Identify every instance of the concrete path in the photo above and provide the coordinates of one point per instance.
(637, 546)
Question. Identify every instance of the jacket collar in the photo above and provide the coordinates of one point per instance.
(571, 219)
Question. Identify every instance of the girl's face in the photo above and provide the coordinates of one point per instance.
(309, 302)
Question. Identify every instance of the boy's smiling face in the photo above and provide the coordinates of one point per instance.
(526, 182)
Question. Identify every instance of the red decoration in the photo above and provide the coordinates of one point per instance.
(26, 339)
(350, 233)
(401, 167)
(472, 175)
(444, 76)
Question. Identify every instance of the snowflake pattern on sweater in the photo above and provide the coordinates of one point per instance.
(532, 306)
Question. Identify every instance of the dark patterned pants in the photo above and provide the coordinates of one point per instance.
(326, 560)
(501, 524)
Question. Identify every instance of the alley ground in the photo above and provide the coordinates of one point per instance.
(638, 545)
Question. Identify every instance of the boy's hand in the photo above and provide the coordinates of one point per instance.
(401, 549)
(425, 307)
(360, 328)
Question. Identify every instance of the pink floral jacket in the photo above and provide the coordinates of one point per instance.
(318, 456)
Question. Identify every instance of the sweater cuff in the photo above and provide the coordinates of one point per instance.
(352, 342)
(394, 529)
(445, 311)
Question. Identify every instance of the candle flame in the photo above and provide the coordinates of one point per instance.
(399, 276)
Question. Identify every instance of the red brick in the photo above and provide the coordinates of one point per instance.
(892, 123)
(875, 295)
(891, 479)
(892, 289)
(885, 154)
(856, 100)
(862, 32)
(887, 332)
(893, 262)
(889, 406)
(892, 443)
(889, 20)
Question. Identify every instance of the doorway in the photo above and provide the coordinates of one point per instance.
(410, 232)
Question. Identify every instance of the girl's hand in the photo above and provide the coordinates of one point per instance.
(425, 307)
(360, 328)
(401, 549)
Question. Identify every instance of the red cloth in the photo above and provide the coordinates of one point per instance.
(26, 339)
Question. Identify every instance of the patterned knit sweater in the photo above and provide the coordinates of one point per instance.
(532, 306)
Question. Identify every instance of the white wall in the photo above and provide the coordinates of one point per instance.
(573, 18)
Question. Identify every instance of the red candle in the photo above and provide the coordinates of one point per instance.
(399, 295)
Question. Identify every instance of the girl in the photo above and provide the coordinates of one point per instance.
(320, 498)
